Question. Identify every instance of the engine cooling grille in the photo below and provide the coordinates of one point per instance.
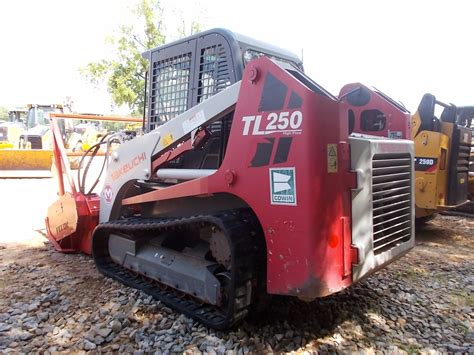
(462, 165)
(391, 200)
(169, 88)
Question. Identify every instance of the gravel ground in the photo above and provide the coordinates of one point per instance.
(56, 302)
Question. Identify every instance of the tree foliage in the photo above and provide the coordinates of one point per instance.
(3, 113)
(125, 73)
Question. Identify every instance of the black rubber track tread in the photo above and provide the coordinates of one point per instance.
(466, 210)
(240, 227)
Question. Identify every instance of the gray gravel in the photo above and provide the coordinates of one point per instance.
(424, 302)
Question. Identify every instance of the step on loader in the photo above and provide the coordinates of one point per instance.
(245, 183)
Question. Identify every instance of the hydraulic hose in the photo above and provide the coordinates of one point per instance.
(94, 149)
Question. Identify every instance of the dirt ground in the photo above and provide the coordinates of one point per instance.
(54, 302)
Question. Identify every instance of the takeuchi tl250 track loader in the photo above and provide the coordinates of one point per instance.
(442, 145)
(245, 183)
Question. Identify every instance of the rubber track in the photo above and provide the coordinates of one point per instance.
(240, 227)
(466, 210)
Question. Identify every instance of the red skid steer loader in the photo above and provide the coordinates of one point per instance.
(245, 183)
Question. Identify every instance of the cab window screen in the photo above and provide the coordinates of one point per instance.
(351, 117)
(372, 120)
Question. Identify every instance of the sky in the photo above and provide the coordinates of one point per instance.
(404, 48)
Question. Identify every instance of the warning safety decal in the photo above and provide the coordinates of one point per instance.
(283, 186)
(332, 158)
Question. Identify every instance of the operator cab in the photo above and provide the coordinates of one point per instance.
(38, 125)
(186, 72)
(17, 116)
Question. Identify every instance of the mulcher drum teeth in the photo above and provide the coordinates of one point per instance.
(241, 229)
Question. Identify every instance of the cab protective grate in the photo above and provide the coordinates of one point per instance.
(214, 73)
(170, 82)
(391, 200)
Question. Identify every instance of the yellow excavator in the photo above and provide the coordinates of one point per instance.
(442, 147)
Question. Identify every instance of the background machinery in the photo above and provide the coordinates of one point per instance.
(29, 149)
(245, 183)
(442, 145)
(31, 155)
(11, 129)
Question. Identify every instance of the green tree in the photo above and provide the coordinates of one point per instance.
(125, 73)
(3, 113)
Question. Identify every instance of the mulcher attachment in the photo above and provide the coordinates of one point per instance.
(71, 220)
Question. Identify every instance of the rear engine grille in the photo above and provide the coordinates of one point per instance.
(391, 204)
(463, 158)
(471, 164)
(459, 167)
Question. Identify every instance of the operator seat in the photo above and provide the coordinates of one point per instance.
(429, 122)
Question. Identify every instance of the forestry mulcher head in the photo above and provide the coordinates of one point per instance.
(72, 218)
(246, 183)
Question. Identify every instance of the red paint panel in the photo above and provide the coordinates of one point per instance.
(396, 120)
(300, 261)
